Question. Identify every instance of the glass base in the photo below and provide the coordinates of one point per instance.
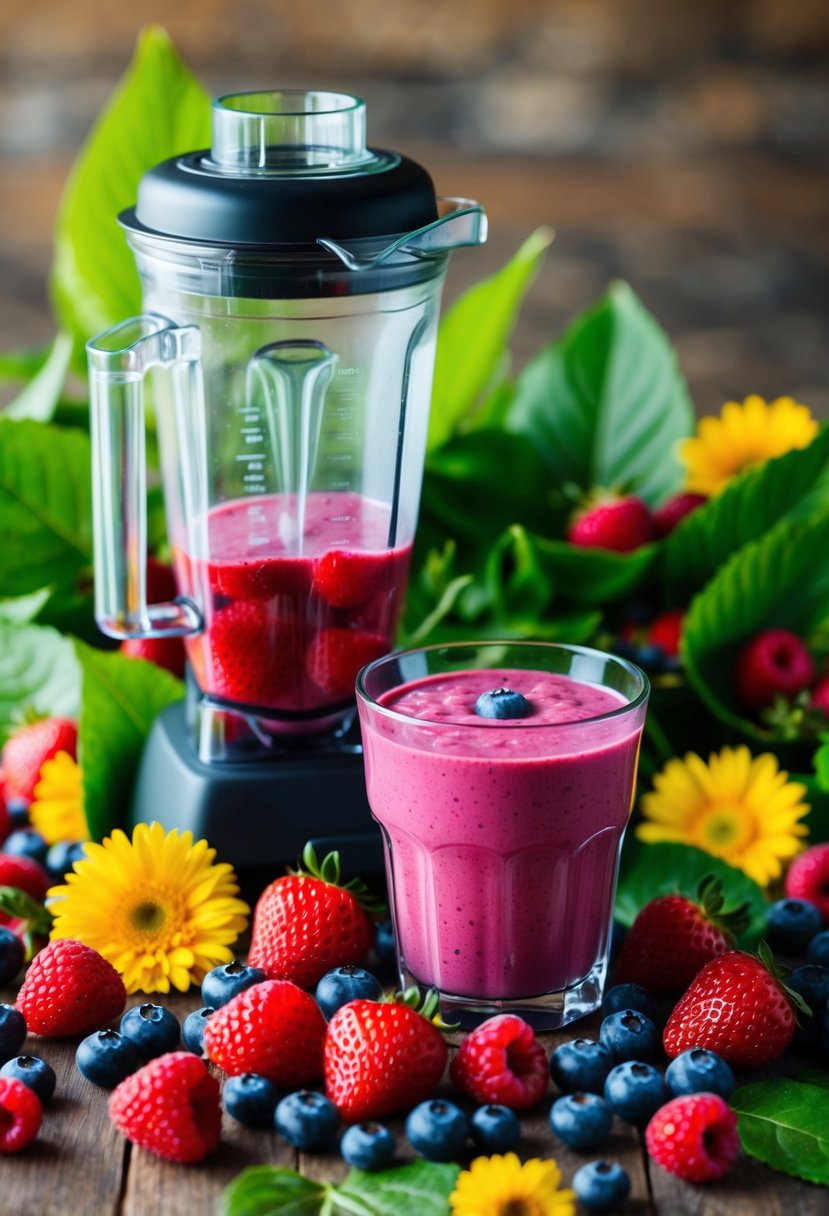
(548, 1011)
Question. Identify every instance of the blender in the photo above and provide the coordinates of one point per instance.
(291, 285)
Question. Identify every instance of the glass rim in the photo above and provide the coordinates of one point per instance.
(487, 723)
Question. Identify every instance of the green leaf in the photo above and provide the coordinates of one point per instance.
(751, 504)
(23, 364)
(157, 111)
(606, 403)
(24, 608)
(264, 1189)
(651, 870)
(473, 335)
(592, 577)
(120, 700)
(38, 670)
(419, 1189)
(814, 1076)
(785, 1123)
(40, 397)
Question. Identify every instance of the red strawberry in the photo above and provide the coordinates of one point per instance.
(774, 663)
(29, 746)
(666, 517)
(335, 656)
(249, 655)
(161, 582)
(666, 631)
(381, 1057)
(25, 874)
(735, 1007)
(170, 1107)
(345, 578)
(673, 937)
(274, 1029)
(622, 524)
(305, 923)
(70, 989)
(808, 878)
(164, 652)
(501, 1062)
(694, 1137)
(20, 1115)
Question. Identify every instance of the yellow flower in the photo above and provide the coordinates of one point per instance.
(502, 1186)
(743, 435)
(156, 906)
(57, 810)
(739, 807)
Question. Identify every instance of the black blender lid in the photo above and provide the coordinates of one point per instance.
(286, 167)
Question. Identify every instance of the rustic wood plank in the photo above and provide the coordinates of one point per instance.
(749, 1189)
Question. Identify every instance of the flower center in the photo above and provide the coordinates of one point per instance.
(148, 917)
(516, 1207)
(723, 829)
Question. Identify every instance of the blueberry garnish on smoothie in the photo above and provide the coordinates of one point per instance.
(502, 703)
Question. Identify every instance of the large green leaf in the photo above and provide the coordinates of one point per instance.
(120, 700)
(158, 111)
(39, 398)
(38, 670)
(421, 1188)
(785, 1123)
(750, 505)
(265, 1190)
(473, 336)
(606, 404)
(593, 577)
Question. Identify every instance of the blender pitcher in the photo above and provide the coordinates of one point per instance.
(291, 280)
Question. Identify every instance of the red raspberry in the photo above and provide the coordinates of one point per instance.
(808, 878)
(694, 1137)
(70, 989)
(20, 1115)
(25, 874)
(501, 1062)
(775, 663)
(274, 1029)
(820, 696)
(622, 524)
(170, 1107)
(5, 817)
(666, 631)
(666, 517)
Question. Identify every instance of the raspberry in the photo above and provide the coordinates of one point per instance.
(70, 989)
(808, 878)
(20, 1115)
(666, 517)
(666, 631)
(774, 663)
(170, 1107)
(694, 1137)
(820, 696)
(621, 524)
(273, 1029)
(501, 1061)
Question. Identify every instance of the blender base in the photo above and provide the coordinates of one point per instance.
(258, 815)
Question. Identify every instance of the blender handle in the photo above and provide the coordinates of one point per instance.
(118, 362)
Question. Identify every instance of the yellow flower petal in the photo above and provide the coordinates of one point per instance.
(57, 808)
(502, 1186)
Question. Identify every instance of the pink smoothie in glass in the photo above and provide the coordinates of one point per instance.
(504, 834)
(289, 622)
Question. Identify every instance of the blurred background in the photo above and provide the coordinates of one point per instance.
(681, 146)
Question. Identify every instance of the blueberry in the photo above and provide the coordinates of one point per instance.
(582, 1121)
(601, 1185)
(307, 1120)
(152, 1029)
(629, 996)
(384, 943)
(629, 1035)
(251, 1099)
(818, 951)
(437, 1129)
(502, 703)
(580, 1065)
(62, 856)
(368, 1146)
(699, 1071)
(224, 982)
(344, 984)
(26, 843)
(192, 1029)
(12, 955)
(33, 1072)
(791, 924)
(635, 1091)
(12, 1031)
(105, 1058)
(651, 657)
(812, 982)
(495, 1129)
(18, 814)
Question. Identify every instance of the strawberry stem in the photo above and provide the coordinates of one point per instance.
(712, 900)
(36, 918)
(330, 870)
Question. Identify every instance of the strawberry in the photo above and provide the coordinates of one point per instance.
(382, 1057)
(272, 1028)
(736, 1007)
(694, 1137)
(673, 937)
(20, 1115)
(345, 578)
(248, 654)
(621, 524)
(170, 1107)
(808, 878)
(70, 989)
(501, 1062)
(666, 517)
(665, 631)
(164, 652)
(27, 748)
(23, 874)
(774, 663)
(306, 922)
(335, 656)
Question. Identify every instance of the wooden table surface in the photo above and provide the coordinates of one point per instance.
(81, 1166)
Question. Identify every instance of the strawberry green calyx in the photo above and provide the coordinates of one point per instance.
(329, 870)
(427, 1005)
(35, 919)
(711, 900)
(780, 974)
